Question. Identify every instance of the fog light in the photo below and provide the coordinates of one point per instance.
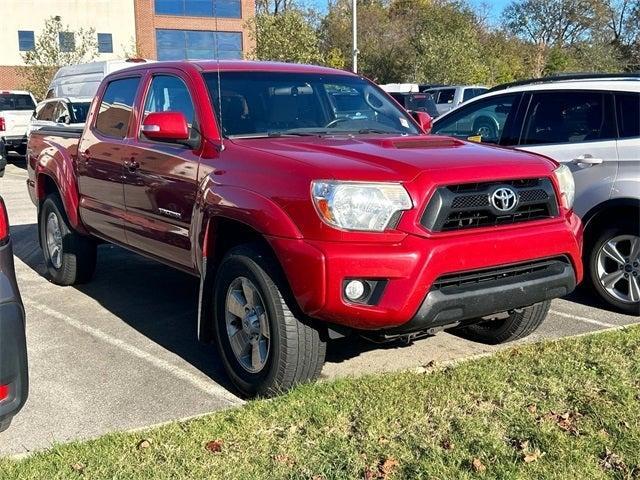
(354, 289)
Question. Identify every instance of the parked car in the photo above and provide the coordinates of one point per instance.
(3, 158)
(83, 79)
(422, 102)
(303, 223)
(14, 384)
(16, 108)
(449, 97)
(591, 123)
(60, 112)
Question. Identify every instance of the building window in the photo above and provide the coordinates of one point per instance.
(198, 45)
(200, 8)
(67, 41)
(26, 40)
(105, 43)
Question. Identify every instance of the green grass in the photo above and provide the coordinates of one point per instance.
(571, 408)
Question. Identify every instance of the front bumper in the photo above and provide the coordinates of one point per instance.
(316, 272)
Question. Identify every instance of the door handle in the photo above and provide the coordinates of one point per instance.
(132, 165)
(587, 159)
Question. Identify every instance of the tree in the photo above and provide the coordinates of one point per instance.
(56, 45)
(286, 37)
(550, 24)
(273, 7)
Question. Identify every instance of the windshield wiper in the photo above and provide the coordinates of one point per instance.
(376, 130)
(293, 134)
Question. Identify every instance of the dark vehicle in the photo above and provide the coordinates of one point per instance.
(417, 102)
(13, 348)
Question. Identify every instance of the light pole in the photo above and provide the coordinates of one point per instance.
(355, 35)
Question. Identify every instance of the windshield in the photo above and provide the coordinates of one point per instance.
(16, 101)
(258, 104)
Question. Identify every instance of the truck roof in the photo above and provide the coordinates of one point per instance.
(243, 65)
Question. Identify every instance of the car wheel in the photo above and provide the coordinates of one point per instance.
(518, 324)
(265, 349)
(486, 130)
(614, 267)
(70, 257)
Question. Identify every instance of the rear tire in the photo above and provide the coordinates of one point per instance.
(602, 265)
(272, 350)
(520, 324)
(70, 257)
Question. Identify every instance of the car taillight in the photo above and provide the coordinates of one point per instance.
(3, 125)
(4, 392)
(4, 222)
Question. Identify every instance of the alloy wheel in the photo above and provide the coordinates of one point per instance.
(618, 268)
(54, 240)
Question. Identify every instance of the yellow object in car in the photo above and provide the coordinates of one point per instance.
(475, 138)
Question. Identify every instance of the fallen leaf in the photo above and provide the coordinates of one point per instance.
(78, 467)
(532, 456)
(318, 477)
(532, 408)
(612, 461)
(214, 446)
(383, 440)
(388, 466)
(370, 474)
(603, 432)
(448, 444)
(477, 465)
(566, 421)
(142, 444)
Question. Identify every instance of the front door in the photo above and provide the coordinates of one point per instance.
(160, 179)
(100, 161)
(576, 128)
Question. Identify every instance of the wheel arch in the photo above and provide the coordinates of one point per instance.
(606, 213)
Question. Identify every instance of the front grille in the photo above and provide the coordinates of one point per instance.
(457, 207)
(493, 276)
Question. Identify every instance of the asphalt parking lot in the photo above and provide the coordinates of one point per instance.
(121, 353)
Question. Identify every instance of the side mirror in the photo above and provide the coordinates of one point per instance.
(423, 119)
(166, 127)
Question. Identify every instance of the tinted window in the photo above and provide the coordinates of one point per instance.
(485, 119)
(566, 117)
(421, 102)
(169, 94)
(105, 43)
(198, 45)
(16, 101)
(445, 96)
(470, 93)
(262, 103)
(79, 111)
(200, 8)
(46, 111)
(628, 108)
(26, 40)
(114, 113)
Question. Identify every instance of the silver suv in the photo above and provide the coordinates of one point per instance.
(591, 123)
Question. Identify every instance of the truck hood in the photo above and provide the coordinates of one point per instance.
(401, 159)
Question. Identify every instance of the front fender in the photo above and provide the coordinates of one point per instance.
(235, 203)
(54, 162)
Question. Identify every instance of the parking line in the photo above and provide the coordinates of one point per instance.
(208, 387)
(584, 319)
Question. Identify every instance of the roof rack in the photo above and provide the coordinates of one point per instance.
(568, 76)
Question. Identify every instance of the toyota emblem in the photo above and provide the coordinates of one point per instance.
(504, 199)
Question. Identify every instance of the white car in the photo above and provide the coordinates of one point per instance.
(590, 123)
(449, 97)
(16, 109)
(67, 112)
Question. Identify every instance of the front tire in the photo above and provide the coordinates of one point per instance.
(70, 257)
(265, 349)
(519, 324)
(614, 267)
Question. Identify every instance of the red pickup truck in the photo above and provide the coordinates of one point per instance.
(310, 205)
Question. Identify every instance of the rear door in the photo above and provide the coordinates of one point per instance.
(160, 178)
(576, 128)
(628, 144)
(100, 160)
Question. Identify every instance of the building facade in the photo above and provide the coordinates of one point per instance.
(153, 29)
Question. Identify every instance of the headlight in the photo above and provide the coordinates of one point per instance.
(359, 205)
(567, 185)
